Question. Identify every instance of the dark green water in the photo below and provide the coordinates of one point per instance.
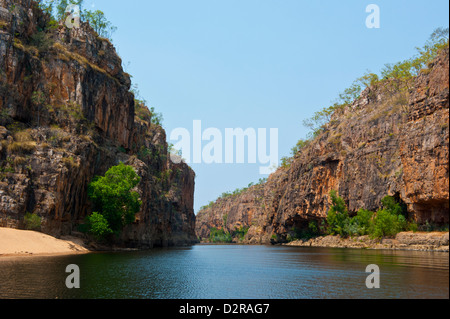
(230, 272)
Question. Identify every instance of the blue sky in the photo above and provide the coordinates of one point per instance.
(257, 63)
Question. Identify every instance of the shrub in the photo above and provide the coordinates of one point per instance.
(144, 153)
(240, 232)
(113, 197)
(219, 236)
(142, 111)
(99, 23)
(363, 222)
(286, 162)
(390, 204)
(157, 118)
(413, 226)
(98, 226)
(387, 224)
(301, 144)
(338, 217)
(42, 41)
(32, 222)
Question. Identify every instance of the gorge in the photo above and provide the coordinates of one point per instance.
(68, 114)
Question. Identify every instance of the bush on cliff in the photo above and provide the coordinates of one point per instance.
(114, 200)
(57, 10)
(219, 236)
(387, 222)
(338, 218)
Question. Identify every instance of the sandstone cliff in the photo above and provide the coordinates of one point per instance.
(67, 115)
(385, 143)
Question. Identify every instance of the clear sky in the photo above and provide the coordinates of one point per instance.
(257, 63)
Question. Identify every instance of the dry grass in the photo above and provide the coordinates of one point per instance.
(5, 144)
(66, 55)
(19, 161)
(4, 25)
(70, 162)
(66, 139)
(23, 136)
(23, 143)
(85, 138)
(22, 147)
(26, 48)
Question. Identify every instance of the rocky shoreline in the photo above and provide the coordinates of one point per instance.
(434, 241)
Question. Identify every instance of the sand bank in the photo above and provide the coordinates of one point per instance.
(15, 242)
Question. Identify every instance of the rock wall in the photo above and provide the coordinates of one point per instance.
(67, 115)
(385, 143)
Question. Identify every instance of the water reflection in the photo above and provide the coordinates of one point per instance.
(223, 272)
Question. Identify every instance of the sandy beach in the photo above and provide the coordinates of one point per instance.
(30, 243)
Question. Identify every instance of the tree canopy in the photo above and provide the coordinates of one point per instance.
(115, 204)
(58, 10)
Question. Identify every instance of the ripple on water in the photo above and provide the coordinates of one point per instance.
(230, 271)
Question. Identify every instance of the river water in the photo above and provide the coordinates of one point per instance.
(229, 272)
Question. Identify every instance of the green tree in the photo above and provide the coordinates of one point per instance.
(390, 220)
(362, 222)
(301, 144)
(350, 94)
(320, 118)
(437, 41)
(337, 217)
(113, 197)
(157, 118)
(387, 224)
(47, 6)
(219, 236)
(98, 226)
(391, 205)
(57, 8)
(98, 21)
(38, 98)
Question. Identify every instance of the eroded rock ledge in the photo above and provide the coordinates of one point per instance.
(435, 241)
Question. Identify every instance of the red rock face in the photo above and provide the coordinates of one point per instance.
(73, 100)
(384, 144)
(424, 149)
(76, 68)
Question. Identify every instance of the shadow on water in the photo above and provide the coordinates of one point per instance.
(229, 271)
